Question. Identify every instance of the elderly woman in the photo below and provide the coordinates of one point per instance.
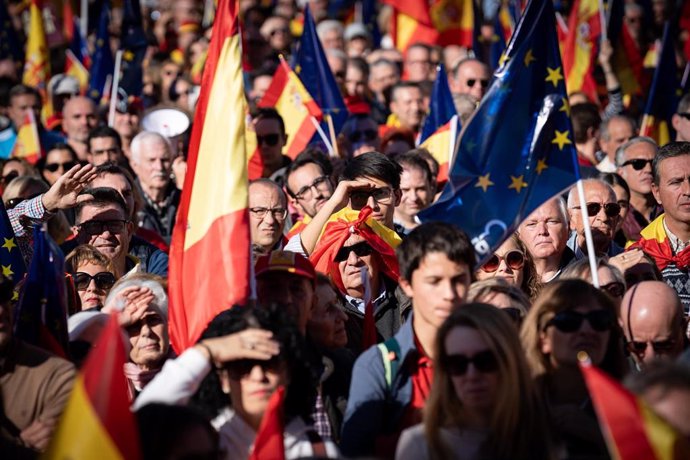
(142, 303)
(93, 275)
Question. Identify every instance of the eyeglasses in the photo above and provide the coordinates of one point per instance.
(96, 227)
(638, 164)
(684, 115)
(483, 82)
(514, 259)
(660, 347)
(13, 202)
(358, 199)
(484, 361)
(104, 280)
(366, 135)
(269, 139)
(571, 321)
(361, 249)
(53, 167)
(614, 289)
(277, 213)
(610, 209)
(305, 192)
(242, 367)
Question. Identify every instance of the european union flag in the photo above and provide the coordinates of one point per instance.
(10, 46)
(11, 260)
(312, 67)
(517, 150)
(441, 106)
(134, 46)
(41, 314)
(103, 64)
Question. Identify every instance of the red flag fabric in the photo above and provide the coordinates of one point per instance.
(579, 53)
(269, 443)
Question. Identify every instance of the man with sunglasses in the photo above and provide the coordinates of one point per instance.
(634, 159)
(470, 76)
(604, 214)
(681, 119)
(652, 320)
(270, 140)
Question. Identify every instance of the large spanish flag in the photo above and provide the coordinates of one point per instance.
(631, 429)
(580, 50)
(37, 63)
(97, 422)
(28, 143)
(210, 249)
(291, 99)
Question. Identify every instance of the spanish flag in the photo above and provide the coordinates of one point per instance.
(37, 63)
(631, 429)
(580, 50)
(210, 249)
(28, 143)
(269, 443)
(97, 422)
(291, 99)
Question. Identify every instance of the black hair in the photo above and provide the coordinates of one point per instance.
(402, 85)
(41, 163)
(311, 155)
(584, 117)
(615, 179)
(23, 90)
(375, 165)
(103, 131)
(268, 113)
(412, 160)
(300, 394)
(670, 150)
(102, 196)
(434, 237)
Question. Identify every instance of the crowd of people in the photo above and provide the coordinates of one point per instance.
(465, 361)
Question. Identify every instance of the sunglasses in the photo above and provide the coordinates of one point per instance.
(638, 164)
(684, 115)
(361, 249)
(358, 199)
(610, 209)
(242, 367)
(269, 139)
(366, 135)
(96, 227)
(571, 321)
(472, 81)
(660, 347)
(514, 259)
(484, 361)
(9, 177)
(614, 289)
(13, 202)
(104, 280)
(53, 167)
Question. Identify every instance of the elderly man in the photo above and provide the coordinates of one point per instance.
(470, 76)
(104, 146)
(417, 189)
(634, 159)
(417, 64)
(666, 238)
(35, 388)
(681, 119)
(604, 214)
(545, 234)
(614, 132)
(406, 106)
(267, 213)
(331, 33)
(309, 186)
(78, 118)
(652, 320)
(151, 161)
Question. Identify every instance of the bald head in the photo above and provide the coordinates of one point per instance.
(78, 118)
(652, 320)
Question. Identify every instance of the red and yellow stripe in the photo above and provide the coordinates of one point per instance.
(579, 52)
(438, 144)
(210, 249)
(28, 144)
(37, 63)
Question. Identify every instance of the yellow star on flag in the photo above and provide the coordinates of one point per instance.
(7, 271)
(15, 295)
(541, 165)
(484, 182)
(554, 75)
(517, 183)
(565, 107)
(9, 244)
(561, 139)
(529, 58)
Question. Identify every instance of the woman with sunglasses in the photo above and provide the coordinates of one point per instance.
(60, 159)
(611, 280)
(483, 403)
(93, 275)
(497, 292)
(512, 262)
(569, 317)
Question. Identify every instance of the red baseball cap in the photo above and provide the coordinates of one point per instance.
(285, 261)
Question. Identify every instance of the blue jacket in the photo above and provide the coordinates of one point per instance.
(374, 408)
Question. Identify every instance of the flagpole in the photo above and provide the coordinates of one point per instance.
(322, 135)
(604, 21)
(453, 138)
(331, 132)
(84, 18)
(588, 234)
(113, 89)
(686, 74)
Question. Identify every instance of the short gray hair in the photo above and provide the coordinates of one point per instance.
(160, 300)
(604, 127)
(144, 138)
(327, 25)
(620, 151)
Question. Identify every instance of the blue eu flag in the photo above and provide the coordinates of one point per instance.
(103, 63)
(312, 67)
(134, 46)
(441, 106)
(11, 260)
(517, 150)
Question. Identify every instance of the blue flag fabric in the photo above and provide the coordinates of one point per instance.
(11, 259)
(41, 314)
(134, 46)
(10, 47)
(517, 150)
(441, 106)
(78, 45)
(312, 67)
(103, 64)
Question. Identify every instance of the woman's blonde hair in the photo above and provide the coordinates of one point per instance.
(518, 426)
(84, 254)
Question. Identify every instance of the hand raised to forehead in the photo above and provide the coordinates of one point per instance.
(65, 192)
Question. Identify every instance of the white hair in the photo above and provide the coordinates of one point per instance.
(327, 25)
(160, 300)
(146, 137)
